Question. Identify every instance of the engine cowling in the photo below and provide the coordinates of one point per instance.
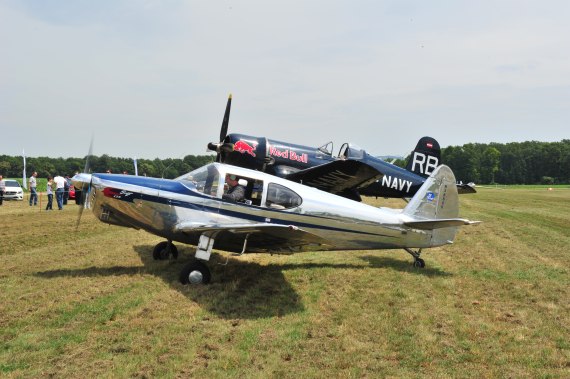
(249, 152)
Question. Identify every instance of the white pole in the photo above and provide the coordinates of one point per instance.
(136, 168)
(24, 178)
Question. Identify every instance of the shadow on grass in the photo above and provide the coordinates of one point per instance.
(240, 289)
(403, 265)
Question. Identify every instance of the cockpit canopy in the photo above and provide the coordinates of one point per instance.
(211, 180)
(351, 151)
(205, 179)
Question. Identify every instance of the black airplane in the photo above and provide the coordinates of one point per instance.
(352, 173)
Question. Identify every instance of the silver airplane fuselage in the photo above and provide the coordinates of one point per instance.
(183, 209)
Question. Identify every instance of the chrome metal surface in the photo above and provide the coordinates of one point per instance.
(190, 206)
(195, 277)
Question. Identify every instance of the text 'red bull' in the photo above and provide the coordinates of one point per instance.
(288, 154)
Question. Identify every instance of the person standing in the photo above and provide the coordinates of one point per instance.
(66, 190)
(2, 189)
(49, 191)
(33, 193)
(59, 188)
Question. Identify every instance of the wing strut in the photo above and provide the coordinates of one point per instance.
(244, 245)
(237, 254)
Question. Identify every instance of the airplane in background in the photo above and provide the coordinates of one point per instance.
(319, 168)
(276, 216)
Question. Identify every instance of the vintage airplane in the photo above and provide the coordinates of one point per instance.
(319, 168)
(276, 215)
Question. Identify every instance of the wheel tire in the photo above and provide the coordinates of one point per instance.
(173, 251)
(195, 273)
(162, 251)
(420, 263)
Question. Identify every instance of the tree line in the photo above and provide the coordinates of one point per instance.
(529, 162)
(170, 168)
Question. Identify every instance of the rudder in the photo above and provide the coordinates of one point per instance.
(435, 207)
(425, 157)
(437, 198)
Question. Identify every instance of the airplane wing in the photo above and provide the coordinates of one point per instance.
(261, 237)
(465, 188)
(342, 177)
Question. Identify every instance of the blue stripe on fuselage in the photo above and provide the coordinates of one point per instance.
(169, 185)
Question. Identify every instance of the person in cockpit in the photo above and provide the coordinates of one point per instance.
(236, 191)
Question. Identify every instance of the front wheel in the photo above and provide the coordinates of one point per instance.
(420, 263)
(195, 273)
(163, 250)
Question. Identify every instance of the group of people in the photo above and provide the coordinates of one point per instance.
(2, 189)
(58, 184)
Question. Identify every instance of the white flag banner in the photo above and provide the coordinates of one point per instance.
(136, 168)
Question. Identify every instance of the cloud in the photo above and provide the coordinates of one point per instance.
(151, 78)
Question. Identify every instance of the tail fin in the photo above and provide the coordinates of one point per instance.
(425, 157)
(435, 207)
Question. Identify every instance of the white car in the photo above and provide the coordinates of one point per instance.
(13, 191)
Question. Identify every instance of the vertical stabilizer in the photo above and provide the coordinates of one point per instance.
(435, 207)
(437, 198)
(425, 157)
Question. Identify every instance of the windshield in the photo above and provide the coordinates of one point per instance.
(12, 183)
(205, 179)
(327, 148)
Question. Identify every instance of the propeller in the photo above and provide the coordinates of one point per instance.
(226, 120)
(86, 187)
(221, 147)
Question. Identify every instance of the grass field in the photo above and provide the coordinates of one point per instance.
(93, 303)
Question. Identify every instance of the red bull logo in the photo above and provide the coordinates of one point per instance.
(244, 147)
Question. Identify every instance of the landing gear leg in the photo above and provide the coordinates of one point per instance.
(196, 272)
(163, 250)
(418, 262)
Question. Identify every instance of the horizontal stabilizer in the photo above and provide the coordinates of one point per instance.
(463, 189)
(435, 207)
(439, 223)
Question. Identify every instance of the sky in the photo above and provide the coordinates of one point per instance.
(151, 78)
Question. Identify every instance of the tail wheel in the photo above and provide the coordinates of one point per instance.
(163, 250)
(195, 273)
(420, 263)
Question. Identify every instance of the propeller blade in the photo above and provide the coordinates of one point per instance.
(81, 207)
(78, 219)
(220, 147)
(89, 154)
(85, 187)
(226, 121)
